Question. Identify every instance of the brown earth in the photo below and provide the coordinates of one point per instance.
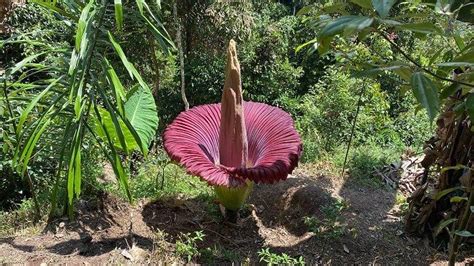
(113, 231)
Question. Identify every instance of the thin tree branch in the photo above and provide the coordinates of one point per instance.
(419, 65)
(359, 103)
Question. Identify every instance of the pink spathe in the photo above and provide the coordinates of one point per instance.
(274, 146)
(232, 143)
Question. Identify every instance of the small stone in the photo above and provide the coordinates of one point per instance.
(62, 224)
(127, 254)
(345, 249)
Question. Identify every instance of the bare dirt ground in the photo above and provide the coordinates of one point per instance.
(369, 229)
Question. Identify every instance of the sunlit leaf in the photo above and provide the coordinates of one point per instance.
(464, 233)
(426, 93)
(140, 110)
(345, 23)
(118, 13)
(81, 24)
(456, 64)
(383, 7)
(445, 192)
(423, 27)
(439, 228)
(457, 199)
(299, 47)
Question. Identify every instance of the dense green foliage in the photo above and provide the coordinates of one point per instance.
(323, 91)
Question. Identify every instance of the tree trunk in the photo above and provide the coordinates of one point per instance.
(181, 55)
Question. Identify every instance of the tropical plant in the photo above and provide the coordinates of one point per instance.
(440, 79)
(234, 144)
(76, 87)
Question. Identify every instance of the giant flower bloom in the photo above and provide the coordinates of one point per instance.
(234, 143)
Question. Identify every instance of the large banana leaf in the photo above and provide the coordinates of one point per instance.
(140, 111)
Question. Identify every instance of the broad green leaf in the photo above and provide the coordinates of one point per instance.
(118, 13)
(423, 27)
(404, 73)
(345, 24)
(464, 233)
(383, 6)
(456, 199)
(470, 106)
(392, 66)
(436, 55)
(439, 228)
(108, 125)
(426, 93)
(445, 192)
(466, 56)
(449, 90)
(389, 22)
(304, 10)
(456, 167)
(115, 159)
(140, 111)
(456, 64)
(459, 41)
(305, 44)
(363, 3)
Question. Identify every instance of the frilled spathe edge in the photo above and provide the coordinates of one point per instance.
(274, 146)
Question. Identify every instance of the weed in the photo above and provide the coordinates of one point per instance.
(279, 259)
(332, 225)
(401, 203)
(21, 221)
(210, 254)
(156, 178)
(186, 246)
(366, 159)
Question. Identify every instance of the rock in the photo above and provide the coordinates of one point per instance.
(126, 254)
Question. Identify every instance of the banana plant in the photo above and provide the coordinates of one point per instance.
(83, 92)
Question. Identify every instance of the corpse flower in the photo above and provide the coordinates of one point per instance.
(234, 144)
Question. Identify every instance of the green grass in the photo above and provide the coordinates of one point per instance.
(363, 162)
(402, 204)
(187, 245)
(156, 179)
(21, 221)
